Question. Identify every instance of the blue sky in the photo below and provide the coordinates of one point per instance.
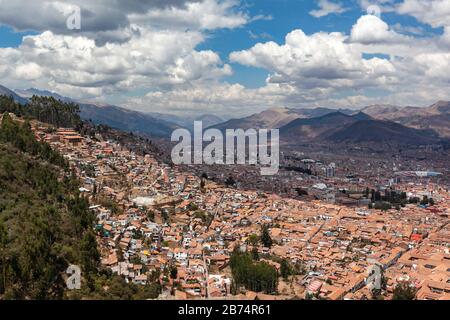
(285, 16)
(10, 38)
(187, 50)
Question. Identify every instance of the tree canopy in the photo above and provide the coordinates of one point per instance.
(44, 109)
(44, 215)
(253, 275)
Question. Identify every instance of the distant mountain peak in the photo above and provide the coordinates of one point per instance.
(442, 103)
(362, 116)
(337, 113)
(209, 120)
(378, 131)
(28, 93)
(279, 109)
(440, 107)
(10, 93)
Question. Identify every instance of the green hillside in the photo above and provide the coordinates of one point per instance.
(44, 223)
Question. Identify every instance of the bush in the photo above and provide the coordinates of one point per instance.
(404, 291)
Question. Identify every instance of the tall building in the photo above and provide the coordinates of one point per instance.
(330, 171)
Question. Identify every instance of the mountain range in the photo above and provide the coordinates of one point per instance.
(276, 118)
(435, 117)
(153, 124)
(113, 116)
(314, 128)
(373, 131)
(127, 120)
(376, 123)
(381, 123)
(357, 128)
(7, 92)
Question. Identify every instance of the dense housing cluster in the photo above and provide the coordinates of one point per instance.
(160, 222)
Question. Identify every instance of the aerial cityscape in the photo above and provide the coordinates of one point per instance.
(225, 150)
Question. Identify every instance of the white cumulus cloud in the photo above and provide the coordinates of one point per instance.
(327, 7)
